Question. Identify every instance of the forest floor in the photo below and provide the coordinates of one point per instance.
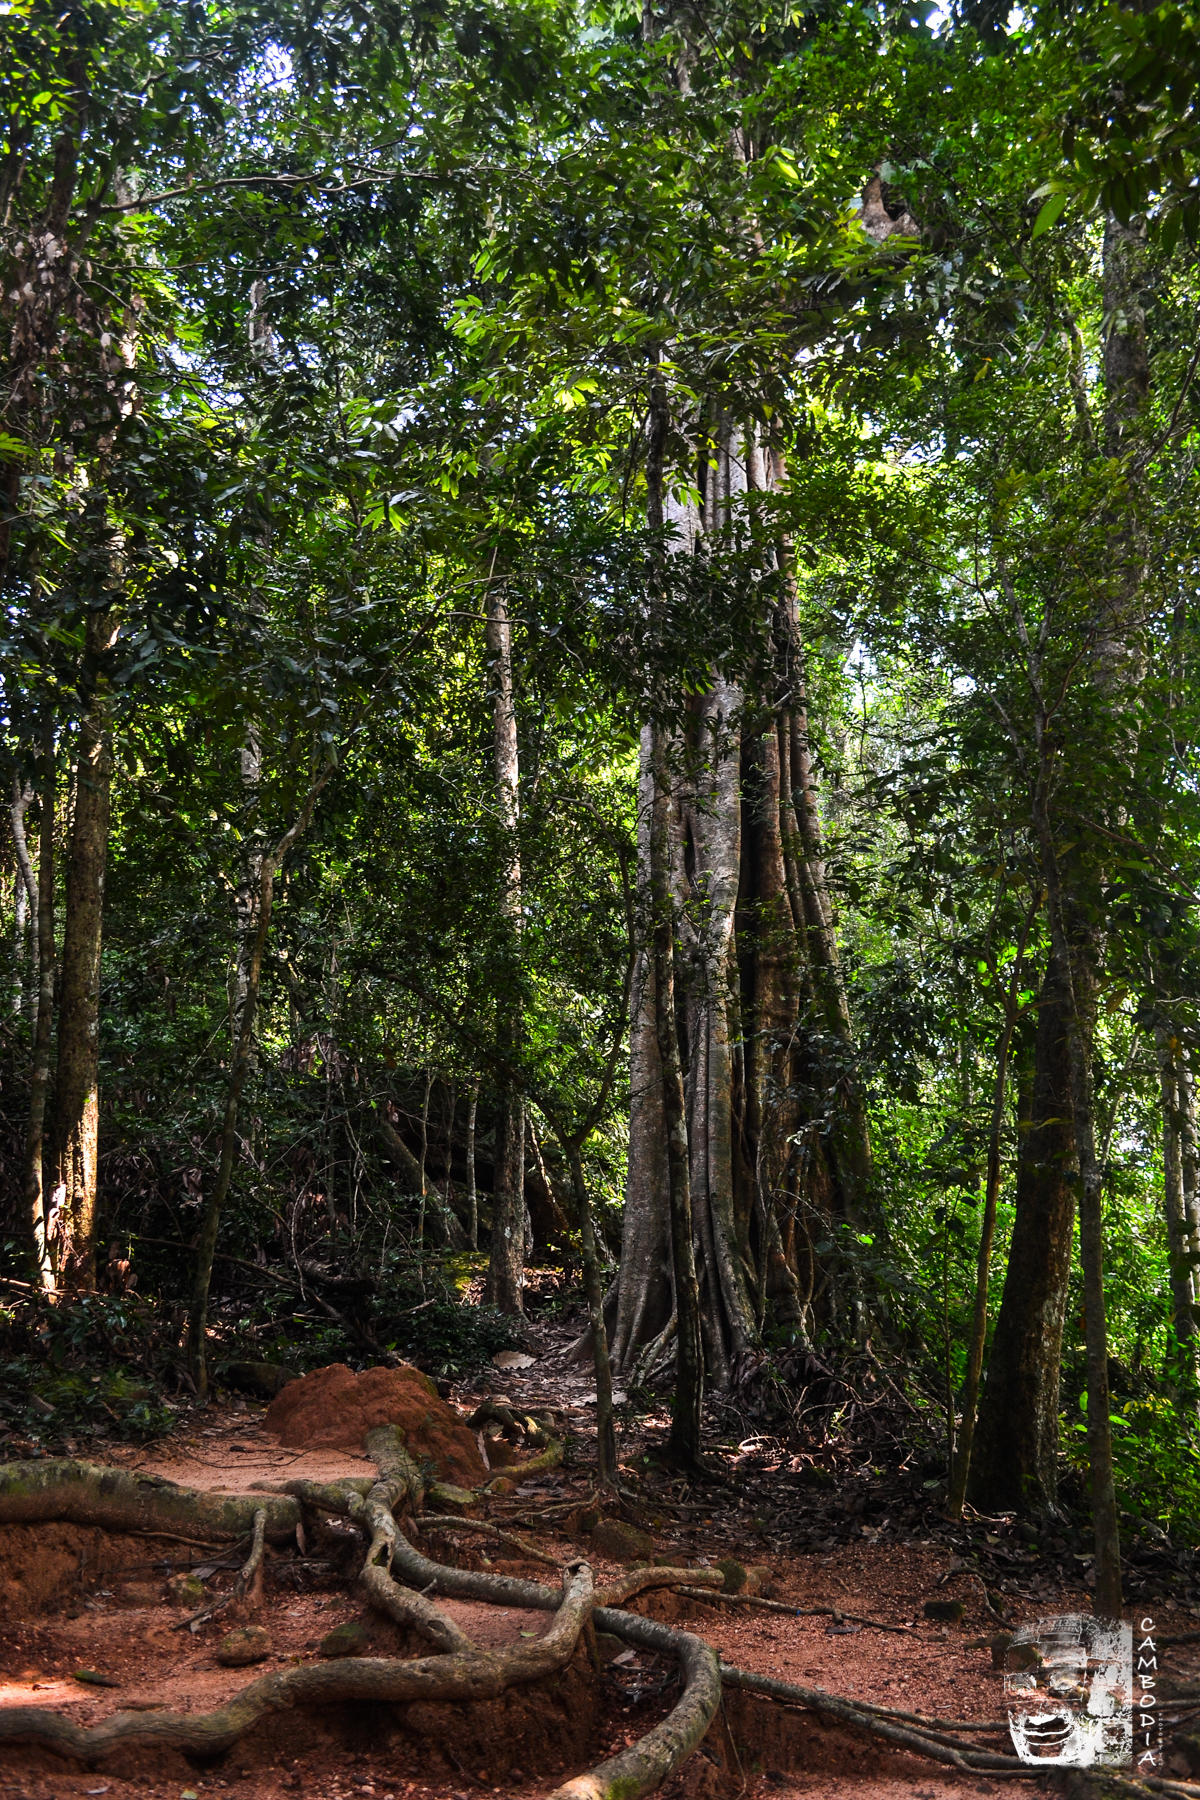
(76, 1598)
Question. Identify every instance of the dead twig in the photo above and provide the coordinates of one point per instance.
(450, 1522)
(250, 1574)
(796, 1612)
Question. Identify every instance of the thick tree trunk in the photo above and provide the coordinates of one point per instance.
(1014, 1459)
(713, 861)
(77, 1086)
(39, 1081)
(761, 993)
(975, 1349)
(506, 1265)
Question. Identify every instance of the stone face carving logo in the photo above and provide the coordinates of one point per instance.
(1068, 1683)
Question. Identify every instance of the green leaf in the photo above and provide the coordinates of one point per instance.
(1049, 213)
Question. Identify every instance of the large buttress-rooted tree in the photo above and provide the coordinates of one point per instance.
(761, 1017)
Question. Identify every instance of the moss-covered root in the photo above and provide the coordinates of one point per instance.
(549, 1458)
(385, 1446)
(36, 1493)
(648, 1762)
(400, 1604)
(480, 1675)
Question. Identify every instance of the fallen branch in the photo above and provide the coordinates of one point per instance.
(797, 1612)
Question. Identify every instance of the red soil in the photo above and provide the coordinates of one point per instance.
(334, 1408)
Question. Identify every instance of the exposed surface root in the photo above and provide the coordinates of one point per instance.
(474, 1675)
(879, 1721)
(647, 1762)
(462, 1671)
(35, 1493)
(400, 1604)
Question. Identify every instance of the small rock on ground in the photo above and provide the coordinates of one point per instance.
(345, 1640)
(184, 1590)
(622, 1543)
(250, 1644)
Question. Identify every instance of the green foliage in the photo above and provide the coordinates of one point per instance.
(1157, 1461)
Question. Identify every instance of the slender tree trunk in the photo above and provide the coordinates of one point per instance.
(970, 1400)
(1189, 1157)
(506, 1267)
(39, 1084)
(26, 907)
(1182, 1246)
(472, 1192)
(422, 1160)
(684, 1441)
(606, 1441)
(645, 1291)
(243, 1060)
(1079, 987)
(77, 1087)
(851, 1142)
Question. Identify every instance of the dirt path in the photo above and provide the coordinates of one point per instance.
(73, 1598)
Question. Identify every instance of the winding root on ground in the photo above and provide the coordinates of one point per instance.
(461, 1671)
(472, 1675)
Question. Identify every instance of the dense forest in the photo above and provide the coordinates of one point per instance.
(599, 717)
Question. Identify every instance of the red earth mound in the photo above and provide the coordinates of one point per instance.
(334, 1408)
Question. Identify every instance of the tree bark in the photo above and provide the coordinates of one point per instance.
(684, 1442)
(77, 1086)
(1183, 1243)
(421, 1161)
(506, 1263)
(714, 833)
(25, 909)
(606, 1441)
(1014, 1460)
(765, 1040)
(472, 1191)
(645, 1291)
(975, 1349)
(39, 1082)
